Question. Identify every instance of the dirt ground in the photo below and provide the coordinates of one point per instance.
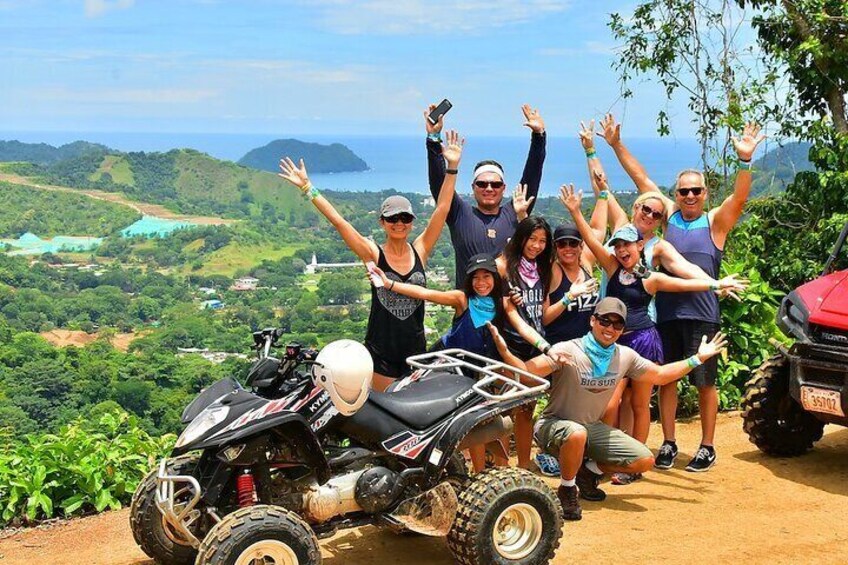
(748, 509)
(76, 338)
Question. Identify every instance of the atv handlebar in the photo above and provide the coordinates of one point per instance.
(455, 358)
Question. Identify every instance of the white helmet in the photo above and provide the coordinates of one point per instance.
(344, 369)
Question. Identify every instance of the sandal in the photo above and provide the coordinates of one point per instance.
(625, 478)
(548, 465)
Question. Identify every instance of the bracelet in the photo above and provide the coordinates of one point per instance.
(451, 171)
(591, 154)
(746, 165)
(437, 137)
(313, 193)
(542, 345)
(391, 286)
(603, 195)
(694, 361)
(714, 286)
(566, 300)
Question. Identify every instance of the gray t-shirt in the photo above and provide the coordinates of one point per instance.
(578, 396)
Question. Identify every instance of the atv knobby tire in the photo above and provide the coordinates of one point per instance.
(260, 531)
(773, 420)
(506, 516)
(146, 523)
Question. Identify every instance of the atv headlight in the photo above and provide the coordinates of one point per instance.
(204, 422)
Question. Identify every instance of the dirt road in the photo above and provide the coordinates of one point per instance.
(748, 509)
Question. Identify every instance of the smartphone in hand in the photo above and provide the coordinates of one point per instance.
(376, 280)
(439, 111)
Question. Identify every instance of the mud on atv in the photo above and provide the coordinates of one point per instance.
(259, 480)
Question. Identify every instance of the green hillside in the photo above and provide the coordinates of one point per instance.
(333, 158)
(44, 154)
(775, 170)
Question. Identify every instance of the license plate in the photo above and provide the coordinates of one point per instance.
(822, 400)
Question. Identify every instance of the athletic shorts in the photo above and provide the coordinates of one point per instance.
(681, 339)
(394, 368)
(605, 444)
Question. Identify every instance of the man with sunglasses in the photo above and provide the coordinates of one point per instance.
(486, 227)
(584, 374)
(699, 236)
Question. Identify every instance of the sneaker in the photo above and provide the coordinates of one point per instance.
(666, 456)
(548, 465)
(625, 478)
(570, 504)
(704, 459)
(587, 482)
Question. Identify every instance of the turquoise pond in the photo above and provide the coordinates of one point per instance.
(148, 226)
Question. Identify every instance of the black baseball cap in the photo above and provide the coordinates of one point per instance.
(565, 231)
(481, 261)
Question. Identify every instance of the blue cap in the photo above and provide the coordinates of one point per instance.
(627, 233)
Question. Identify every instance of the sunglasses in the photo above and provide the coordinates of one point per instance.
(490, 183)
(695, 190)
(605, 322)
(654, 214)
(402, 218)
(562, 243)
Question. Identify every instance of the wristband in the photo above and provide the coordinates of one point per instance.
(694, 361)
(566, 300)
(591, 154)
(313, 193)
(714, 286)
(746, 165)
(542, 345)
(437, 137)
(451, 171)
(603, 195)
(391, 286)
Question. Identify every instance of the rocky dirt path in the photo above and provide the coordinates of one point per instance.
(748, 509)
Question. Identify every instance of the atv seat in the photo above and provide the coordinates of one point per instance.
(424, 403)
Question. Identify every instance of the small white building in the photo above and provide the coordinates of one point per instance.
(245, 283)
(314, 266)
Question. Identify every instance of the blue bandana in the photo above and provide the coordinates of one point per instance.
(599, 355)
(482, 310)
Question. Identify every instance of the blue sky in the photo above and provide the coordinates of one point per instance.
(317, 67)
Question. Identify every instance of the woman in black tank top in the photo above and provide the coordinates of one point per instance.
(396, 323)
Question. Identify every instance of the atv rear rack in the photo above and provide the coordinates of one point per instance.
(510, 388)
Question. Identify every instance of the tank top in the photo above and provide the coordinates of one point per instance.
(634, 296)
(574, 321)
(530, 312)
(694, 242)
(465, 336)
(396, 322)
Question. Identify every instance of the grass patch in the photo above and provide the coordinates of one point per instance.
(117, 167)
(239, 257)
(194, 245)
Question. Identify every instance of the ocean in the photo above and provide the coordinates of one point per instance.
(399, 162)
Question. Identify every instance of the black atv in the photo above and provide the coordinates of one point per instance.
(260, 480)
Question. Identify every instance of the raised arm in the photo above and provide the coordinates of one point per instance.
(611, 132)
(665, 374)
(531, 178)
(435, 162)
(364, 248)
(660, 282)
(725, 216)
(452, 152)
(571, 200)
(454, 298)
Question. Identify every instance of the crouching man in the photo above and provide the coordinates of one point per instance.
(584, 374)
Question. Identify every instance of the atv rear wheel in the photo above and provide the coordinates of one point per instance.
(773, 420)
(506, 516)
(260, 534)
(148, 527)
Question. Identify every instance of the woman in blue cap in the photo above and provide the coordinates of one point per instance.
(635, 285)
(396, 323)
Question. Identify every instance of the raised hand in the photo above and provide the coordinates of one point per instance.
(601, 180)
(532, 119)
(586, 287)
(520, 201)
(570, 198)
(713, 347)
(433, 128)
(296, 175)
(587, 136)
(747, 143)
(610, 130)
(452, 148)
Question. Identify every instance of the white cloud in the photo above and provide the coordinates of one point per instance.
(95, 8)
(435, 17)
(127, 95)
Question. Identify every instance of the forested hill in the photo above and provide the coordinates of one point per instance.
(44, 154)
(775, 170)
(334, 158)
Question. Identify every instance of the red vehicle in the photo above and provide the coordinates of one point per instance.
(800, 389)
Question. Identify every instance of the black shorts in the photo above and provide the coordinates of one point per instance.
(681, 339)
(393, 368)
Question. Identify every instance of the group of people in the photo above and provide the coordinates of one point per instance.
(526, 293)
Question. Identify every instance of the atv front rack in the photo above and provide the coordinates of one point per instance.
(492, 373)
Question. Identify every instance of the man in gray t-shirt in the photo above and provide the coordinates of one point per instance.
(584, 374)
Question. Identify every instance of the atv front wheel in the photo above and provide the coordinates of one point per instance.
(149, 529)
(260, 534)
(773, 420)
(506, 516)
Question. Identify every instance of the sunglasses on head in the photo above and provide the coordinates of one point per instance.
(651, 213)
(695, 190)
(403, 218)
(568, 243)
(605, 322)
(488, 183)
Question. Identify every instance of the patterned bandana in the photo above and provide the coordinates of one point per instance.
(529, 271)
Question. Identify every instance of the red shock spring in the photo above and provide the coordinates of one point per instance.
(246, 489)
